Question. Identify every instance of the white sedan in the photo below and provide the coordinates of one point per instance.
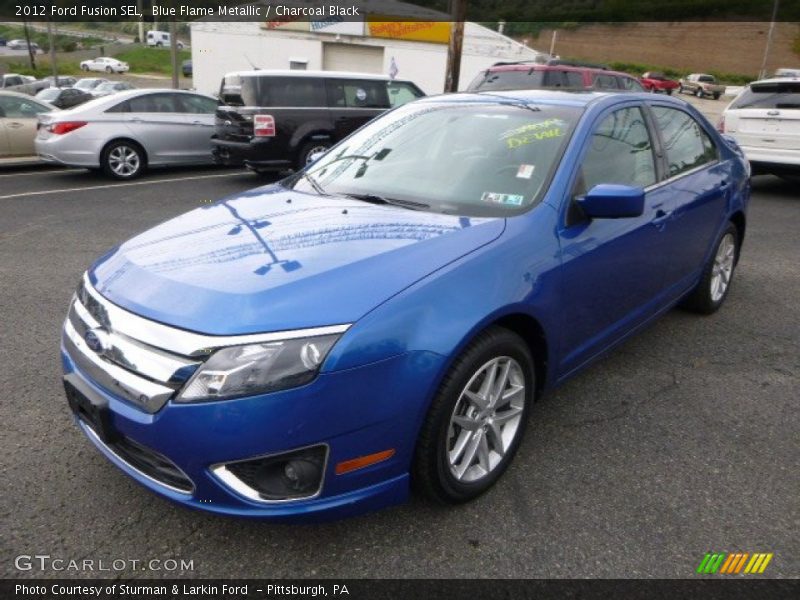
(105, 64)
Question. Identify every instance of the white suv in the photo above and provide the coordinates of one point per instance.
(765, 121)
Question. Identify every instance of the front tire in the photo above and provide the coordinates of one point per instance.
(477, 419)
(717, 277)
(123, 160)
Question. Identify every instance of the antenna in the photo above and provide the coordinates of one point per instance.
(252, 64)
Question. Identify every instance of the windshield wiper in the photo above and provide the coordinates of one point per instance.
(376, 199)
(314, 183)
(512, 101)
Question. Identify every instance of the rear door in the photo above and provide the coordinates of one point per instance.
(354, 102)
(158, 123)
(198, 112)
(697, 185)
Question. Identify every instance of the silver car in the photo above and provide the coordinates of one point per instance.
(125, 133)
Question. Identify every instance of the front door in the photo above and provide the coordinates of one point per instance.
(612, 269)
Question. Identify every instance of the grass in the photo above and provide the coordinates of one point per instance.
(62, 42)
(151, 60)
(140, 60)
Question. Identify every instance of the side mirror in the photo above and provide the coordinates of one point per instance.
(612, 201)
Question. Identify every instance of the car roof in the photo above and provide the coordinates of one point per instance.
(287, 73)
(576, 98)
(554, 67)
(25, 96)
(775, 80)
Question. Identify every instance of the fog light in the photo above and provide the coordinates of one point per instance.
(289, 476)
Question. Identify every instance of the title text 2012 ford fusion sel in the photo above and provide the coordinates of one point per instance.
(386, 317)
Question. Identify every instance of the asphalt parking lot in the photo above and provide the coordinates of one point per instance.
(683, 441)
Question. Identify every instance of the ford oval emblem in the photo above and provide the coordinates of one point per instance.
(97, 340)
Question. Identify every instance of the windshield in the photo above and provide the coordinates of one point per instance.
(87, 84)
(472, 159)
(105, 87)
(48, 94)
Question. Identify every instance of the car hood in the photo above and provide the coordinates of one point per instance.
(275, 259)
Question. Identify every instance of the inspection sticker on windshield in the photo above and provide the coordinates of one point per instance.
(525, 171)
(507, 199)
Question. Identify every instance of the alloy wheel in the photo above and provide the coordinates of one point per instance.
(486, 419)
(124, 161)
(722, 268)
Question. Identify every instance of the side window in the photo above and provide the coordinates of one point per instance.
(355, 93)
(620, 151)
(122, 107)
(686, 144)
(401, 93)
(574, 79)
(21, 108)
(197, 105)
(605, 82)
(630, 84)
(154, 103)
(295, 91)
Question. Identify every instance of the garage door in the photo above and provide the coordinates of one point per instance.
(351, 57)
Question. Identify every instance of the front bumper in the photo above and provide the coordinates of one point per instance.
(354, 412)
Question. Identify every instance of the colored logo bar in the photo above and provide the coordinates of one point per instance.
(733, 563)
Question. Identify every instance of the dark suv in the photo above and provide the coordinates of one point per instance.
(274, 120)
(552, 74)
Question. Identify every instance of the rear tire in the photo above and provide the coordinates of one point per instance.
(716, 96)
(717, 277)
(477, 419)
(84, 68)
(123, 160)
(307, 150)
(698, 92)
(109, 70)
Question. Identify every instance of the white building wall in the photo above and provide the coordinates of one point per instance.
(219, 48)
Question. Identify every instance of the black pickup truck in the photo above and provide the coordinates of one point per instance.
(276, 120)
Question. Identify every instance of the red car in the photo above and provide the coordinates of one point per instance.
(554, 73)
(653, 81)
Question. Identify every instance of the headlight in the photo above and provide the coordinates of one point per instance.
(258, 368)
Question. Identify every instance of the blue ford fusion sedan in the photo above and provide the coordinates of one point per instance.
(386, 317)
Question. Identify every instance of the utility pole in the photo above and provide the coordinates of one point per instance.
(31, 51)
(763, 72)
(141, 21)
(52, 52)
(458, 12)
(173, 49)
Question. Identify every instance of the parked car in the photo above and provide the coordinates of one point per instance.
(555, 74)
(128, 132)
(389, 314)
(64, 97)
(111, 87)
(87, 84)
(158, 39)
(22, 45)
(653, 81)
(63, 82)
(18, 119)
(787, 73)
(186, 68)
(106, 64)
(700, 85)
(273, 120)
(23, 84)
(765, 120)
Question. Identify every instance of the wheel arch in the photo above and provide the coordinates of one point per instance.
(738, 219)
(532, 332)
(125, 139)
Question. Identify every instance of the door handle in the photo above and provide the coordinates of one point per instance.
(135, 120)
(15, 125)
(198, 123)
